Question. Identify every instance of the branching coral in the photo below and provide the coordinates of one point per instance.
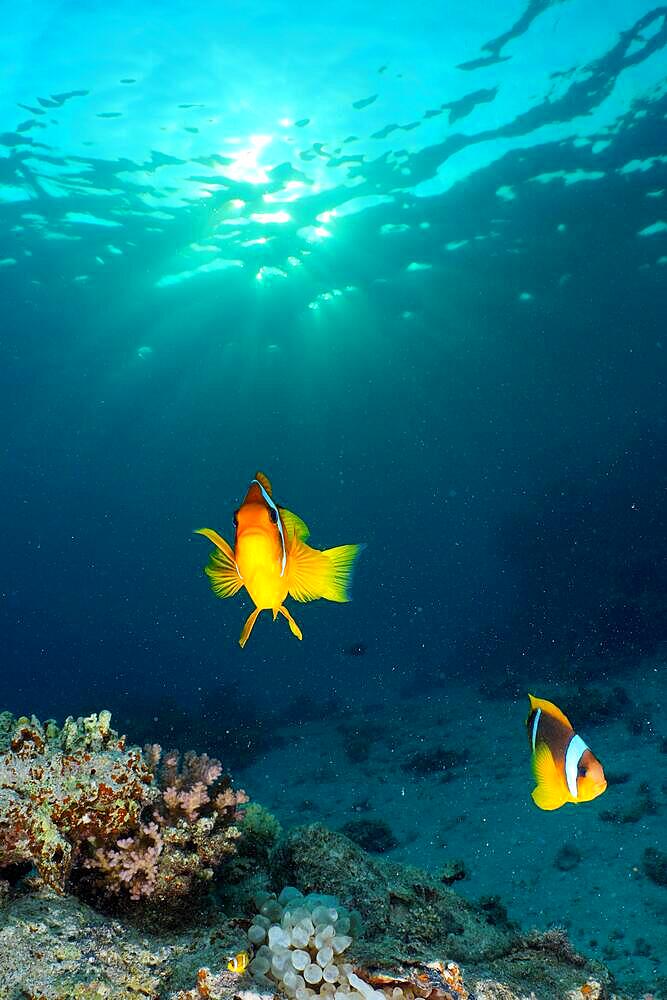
(132, 863)
(180, 840)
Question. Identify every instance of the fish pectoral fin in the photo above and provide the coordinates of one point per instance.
(294, 628)
(314, 574)
(221, 569)
(247, 628)
(217, 540)
(549, 792)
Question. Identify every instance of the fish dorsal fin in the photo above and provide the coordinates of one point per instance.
(294, 526)
(265, 482)
(550, 791)
(549, 708)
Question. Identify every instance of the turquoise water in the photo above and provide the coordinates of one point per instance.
(410, 261)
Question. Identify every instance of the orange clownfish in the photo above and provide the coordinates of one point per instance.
(563, 767)
(239, 963)
(271, 559)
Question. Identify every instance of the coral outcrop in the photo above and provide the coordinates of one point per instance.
(180, 841)
(411, 919)
(107, 820)
(147, 831)
(59, 787)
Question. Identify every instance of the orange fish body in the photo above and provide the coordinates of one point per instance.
(564, 768)
(272, 560)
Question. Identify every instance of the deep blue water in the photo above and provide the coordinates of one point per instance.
(411, 263)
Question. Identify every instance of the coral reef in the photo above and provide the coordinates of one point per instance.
(56, 947)
(180, 842)
(107, 820)
(453, 871)
(301, 942)
(350, 927)
(61, 787)
(412, 918)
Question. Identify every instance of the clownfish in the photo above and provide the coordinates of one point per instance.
(271, 559)
(563, 767)
(239, 963)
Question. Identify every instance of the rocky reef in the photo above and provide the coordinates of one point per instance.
(130, 873)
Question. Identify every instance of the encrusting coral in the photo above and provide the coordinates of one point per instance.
(60, 787)
(90, 813)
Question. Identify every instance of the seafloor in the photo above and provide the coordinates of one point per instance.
(416, 932)
(464, 890)
(447, 773)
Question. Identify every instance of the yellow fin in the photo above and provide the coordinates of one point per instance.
(247, 628)
(294, 628)
(294, 526)
(549, 792)
(314, 574)
(221, 569)
(549, 708)
(264, 480)
(217, 540)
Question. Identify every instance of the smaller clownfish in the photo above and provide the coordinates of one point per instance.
(239, 963)
(563, 767)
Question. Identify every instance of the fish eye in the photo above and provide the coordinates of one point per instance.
(582, 771)
(273, 514)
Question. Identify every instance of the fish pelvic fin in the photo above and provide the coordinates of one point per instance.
(328, 574)
(549, 792)
(294, 628)
(221, 569)
(247, 628)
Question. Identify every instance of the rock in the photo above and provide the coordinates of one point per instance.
(654, 863)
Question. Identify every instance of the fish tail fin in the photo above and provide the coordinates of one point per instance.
(343, 559)
(247, 628)
(548, 793)
(326, 574)
(294, 628)
(221, 569)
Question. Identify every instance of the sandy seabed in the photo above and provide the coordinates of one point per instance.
(579, 867)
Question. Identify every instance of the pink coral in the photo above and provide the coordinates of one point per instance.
(179, 845)
(133, 863)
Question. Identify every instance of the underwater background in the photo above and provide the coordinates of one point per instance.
(410, 261)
